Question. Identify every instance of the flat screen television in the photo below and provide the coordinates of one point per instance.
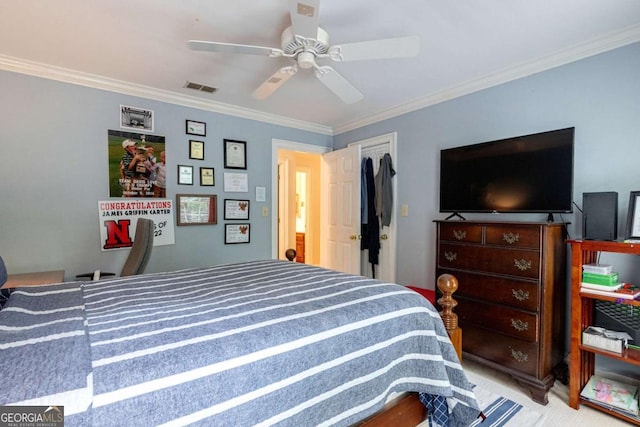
(524, 174)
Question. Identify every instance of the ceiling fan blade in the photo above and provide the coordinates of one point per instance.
(400, 47)
(274, 82)
(234, 48)
(304, 17)
(338, 85)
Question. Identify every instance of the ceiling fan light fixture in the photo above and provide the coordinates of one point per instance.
(306, 60)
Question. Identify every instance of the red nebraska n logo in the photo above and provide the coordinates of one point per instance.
(118, 234)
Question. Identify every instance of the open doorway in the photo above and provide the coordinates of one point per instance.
(298, 213)
(290, 158)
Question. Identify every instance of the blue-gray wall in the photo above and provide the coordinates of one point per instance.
(600, 96)
(53, 151)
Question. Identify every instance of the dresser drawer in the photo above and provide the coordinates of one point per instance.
(503, 350)
(500, 290)
(460, 232)
(516, 236)
(509, 321)
(514, 262)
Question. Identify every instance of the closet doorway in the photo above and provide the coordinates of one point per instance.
(375, 148)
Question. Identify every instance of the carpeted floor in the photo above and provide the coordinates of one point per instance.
(502, 412)
(557, 413)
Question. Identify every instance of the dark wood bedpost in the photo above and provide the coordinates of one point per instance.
(290, 254)
(448, 284)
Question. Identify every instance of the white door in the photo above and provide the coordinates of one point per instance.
(340, 205)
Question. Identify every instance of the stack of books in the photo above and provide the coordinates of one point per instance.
(614, 395)
(599, 279)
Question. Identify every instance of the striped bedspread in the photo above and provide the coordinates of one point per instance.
(260, 343)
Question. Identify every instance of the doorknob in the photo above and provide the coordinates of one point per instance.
(384, 237)
(354, 237)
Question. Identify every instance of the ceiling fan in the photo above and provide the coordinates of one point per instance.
(305, 42)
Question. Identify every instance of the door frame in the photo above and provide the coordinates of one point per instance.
(281, 144)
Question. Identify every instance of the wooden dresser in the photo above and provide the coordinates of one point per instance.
(511, 295)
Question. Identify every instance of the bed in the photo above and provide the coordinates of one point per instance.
(256, 343)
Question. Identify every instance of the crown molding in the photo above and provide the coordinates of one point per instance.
(50, 72)
(577, 52)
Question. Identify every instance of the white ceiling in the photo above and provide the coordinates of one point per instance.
(139, 47)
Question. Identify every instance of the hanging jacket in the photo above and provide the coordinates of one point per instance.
(384, 190)
(371, 231)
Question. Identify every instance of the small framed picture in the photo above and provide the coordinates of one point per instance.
(196, 149)
(196, 128)
(185, 175)
(136, 118)
(236, 209)
(207, 177)
(235, 154)
(236, 233)
(633, 216)
(196, 209)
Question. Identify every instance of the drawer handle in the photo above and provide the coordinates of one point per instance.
(519, 356)
(520, 295)
(510, 238)
(522, 264)
(450, 256)
(460, 234)
(519, 325)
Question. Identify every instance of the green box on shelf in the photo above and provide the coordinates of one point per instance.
(600, 279)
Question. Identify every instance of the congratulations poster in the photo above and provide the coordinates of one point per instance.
(118, 220)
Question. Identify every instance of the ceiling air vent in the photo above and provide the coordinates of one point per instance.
(201, 88)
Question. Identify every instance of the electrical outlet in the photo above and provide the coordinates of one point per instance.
(265, 211)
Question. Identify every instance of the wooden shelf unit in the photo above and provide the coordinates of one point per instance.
(582, 358)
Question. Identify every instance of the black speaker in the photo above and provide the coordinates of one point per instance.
(600, 215)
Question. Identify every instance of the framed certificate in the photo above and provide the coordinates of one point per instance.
(196, 128)
(196, 209)
(207, 177)
(236, 209)
(235, 154)
(196, 150)
(236, 182)
(185, 175)
(236, 233)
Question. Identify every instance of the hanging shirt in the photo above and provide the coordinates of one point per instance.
(384, 190)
